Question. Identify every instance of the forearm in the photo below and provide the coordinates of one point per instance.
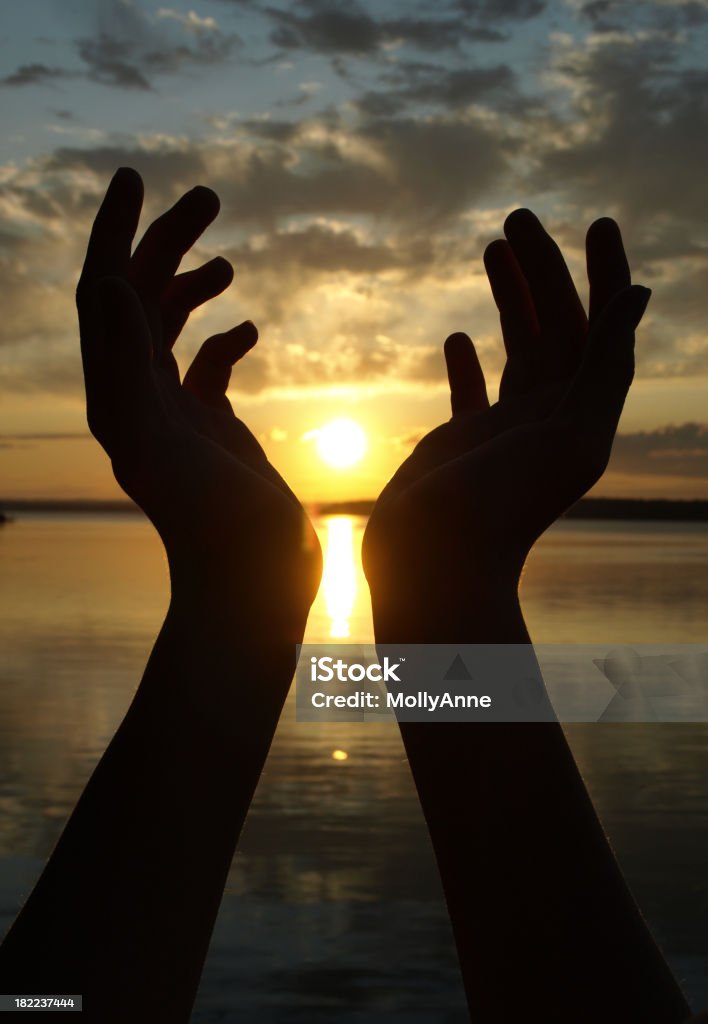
(533, 889)
(125, 908)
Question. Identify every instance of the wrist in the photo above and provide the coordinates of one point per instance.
(255, 599)
(484, 616)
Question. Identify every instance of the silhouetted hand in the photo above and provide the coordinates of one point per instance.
(505, 804)
(134, 884)
(456, 522)
(232, 528)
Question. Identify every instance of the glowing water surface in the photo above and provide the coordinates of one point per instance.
(333, 907)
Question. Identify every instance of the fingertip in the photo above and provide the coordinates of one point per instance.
(223, 268)
(206, 199)
(247, 332)
(457, 342)
(603, 227)
(496, 250)
(520, 219)
(498, 245)
(603, 223)
(127, 179)
(126, 173)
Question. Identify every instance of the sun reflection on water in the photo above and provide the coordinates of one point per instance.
(339, 577)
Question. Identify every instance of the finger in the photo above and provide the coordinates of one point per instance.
(468, 392)
(209, 375)
(120, 391)
(595, 399)
(157, 257)
(560, 313)
(608, 269)
(187, 291)
(511, 293)
(112, 233)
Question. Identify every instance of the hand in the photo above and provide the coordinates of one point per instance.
(454, 525)
(234, 532)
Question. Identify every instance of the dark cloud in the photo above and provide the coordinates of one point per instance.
(34, 74)
(408, 171)
(615, 15)
(167, 169)
(128, 49)
(323, 250)
(638, 137)
(329, 27)
(440, 165)
(413, 82)
(680, 450)
(273, 269)
(503, 10)
(338, 30)
(112, 62)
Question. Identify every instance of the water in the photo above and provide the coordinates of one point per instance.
(333, 906)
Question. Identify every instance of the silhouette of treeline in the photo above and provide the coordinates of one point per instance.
(586, 508)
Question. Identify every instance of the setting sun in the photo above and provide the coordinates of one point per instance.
(340, 443)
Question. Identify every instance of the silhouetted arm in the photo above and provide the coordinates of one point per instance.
(545, 926)
(124, 910)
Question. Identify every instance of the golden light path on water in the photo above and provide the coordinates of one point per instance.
(339, 575)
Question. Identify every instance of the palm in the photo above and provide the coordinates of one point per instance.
(478, 490)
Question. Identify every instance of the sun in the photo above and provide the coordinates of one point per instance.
(341, 443)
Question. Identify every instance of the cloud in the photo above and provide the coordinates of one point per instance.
(615, 15)
(128, 48)
(10, 442)
(363, 221)
(411, 82)
(503, 10)
(191, 21)
(335, 28)
(34, 74)
(168, 167)
(320, 249)
(408, 170)
(675, 450)
(635, 137)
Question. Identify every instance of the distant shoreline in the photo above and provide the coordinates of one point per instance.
(690, 511)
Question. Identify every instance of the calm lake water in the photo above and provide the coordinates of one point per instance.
(333, 907)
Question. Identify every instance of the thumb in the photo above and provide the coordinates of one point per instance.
(601, 384)
(620, 317)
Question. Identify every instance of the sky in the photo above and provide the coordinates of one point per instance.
(365, 154)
